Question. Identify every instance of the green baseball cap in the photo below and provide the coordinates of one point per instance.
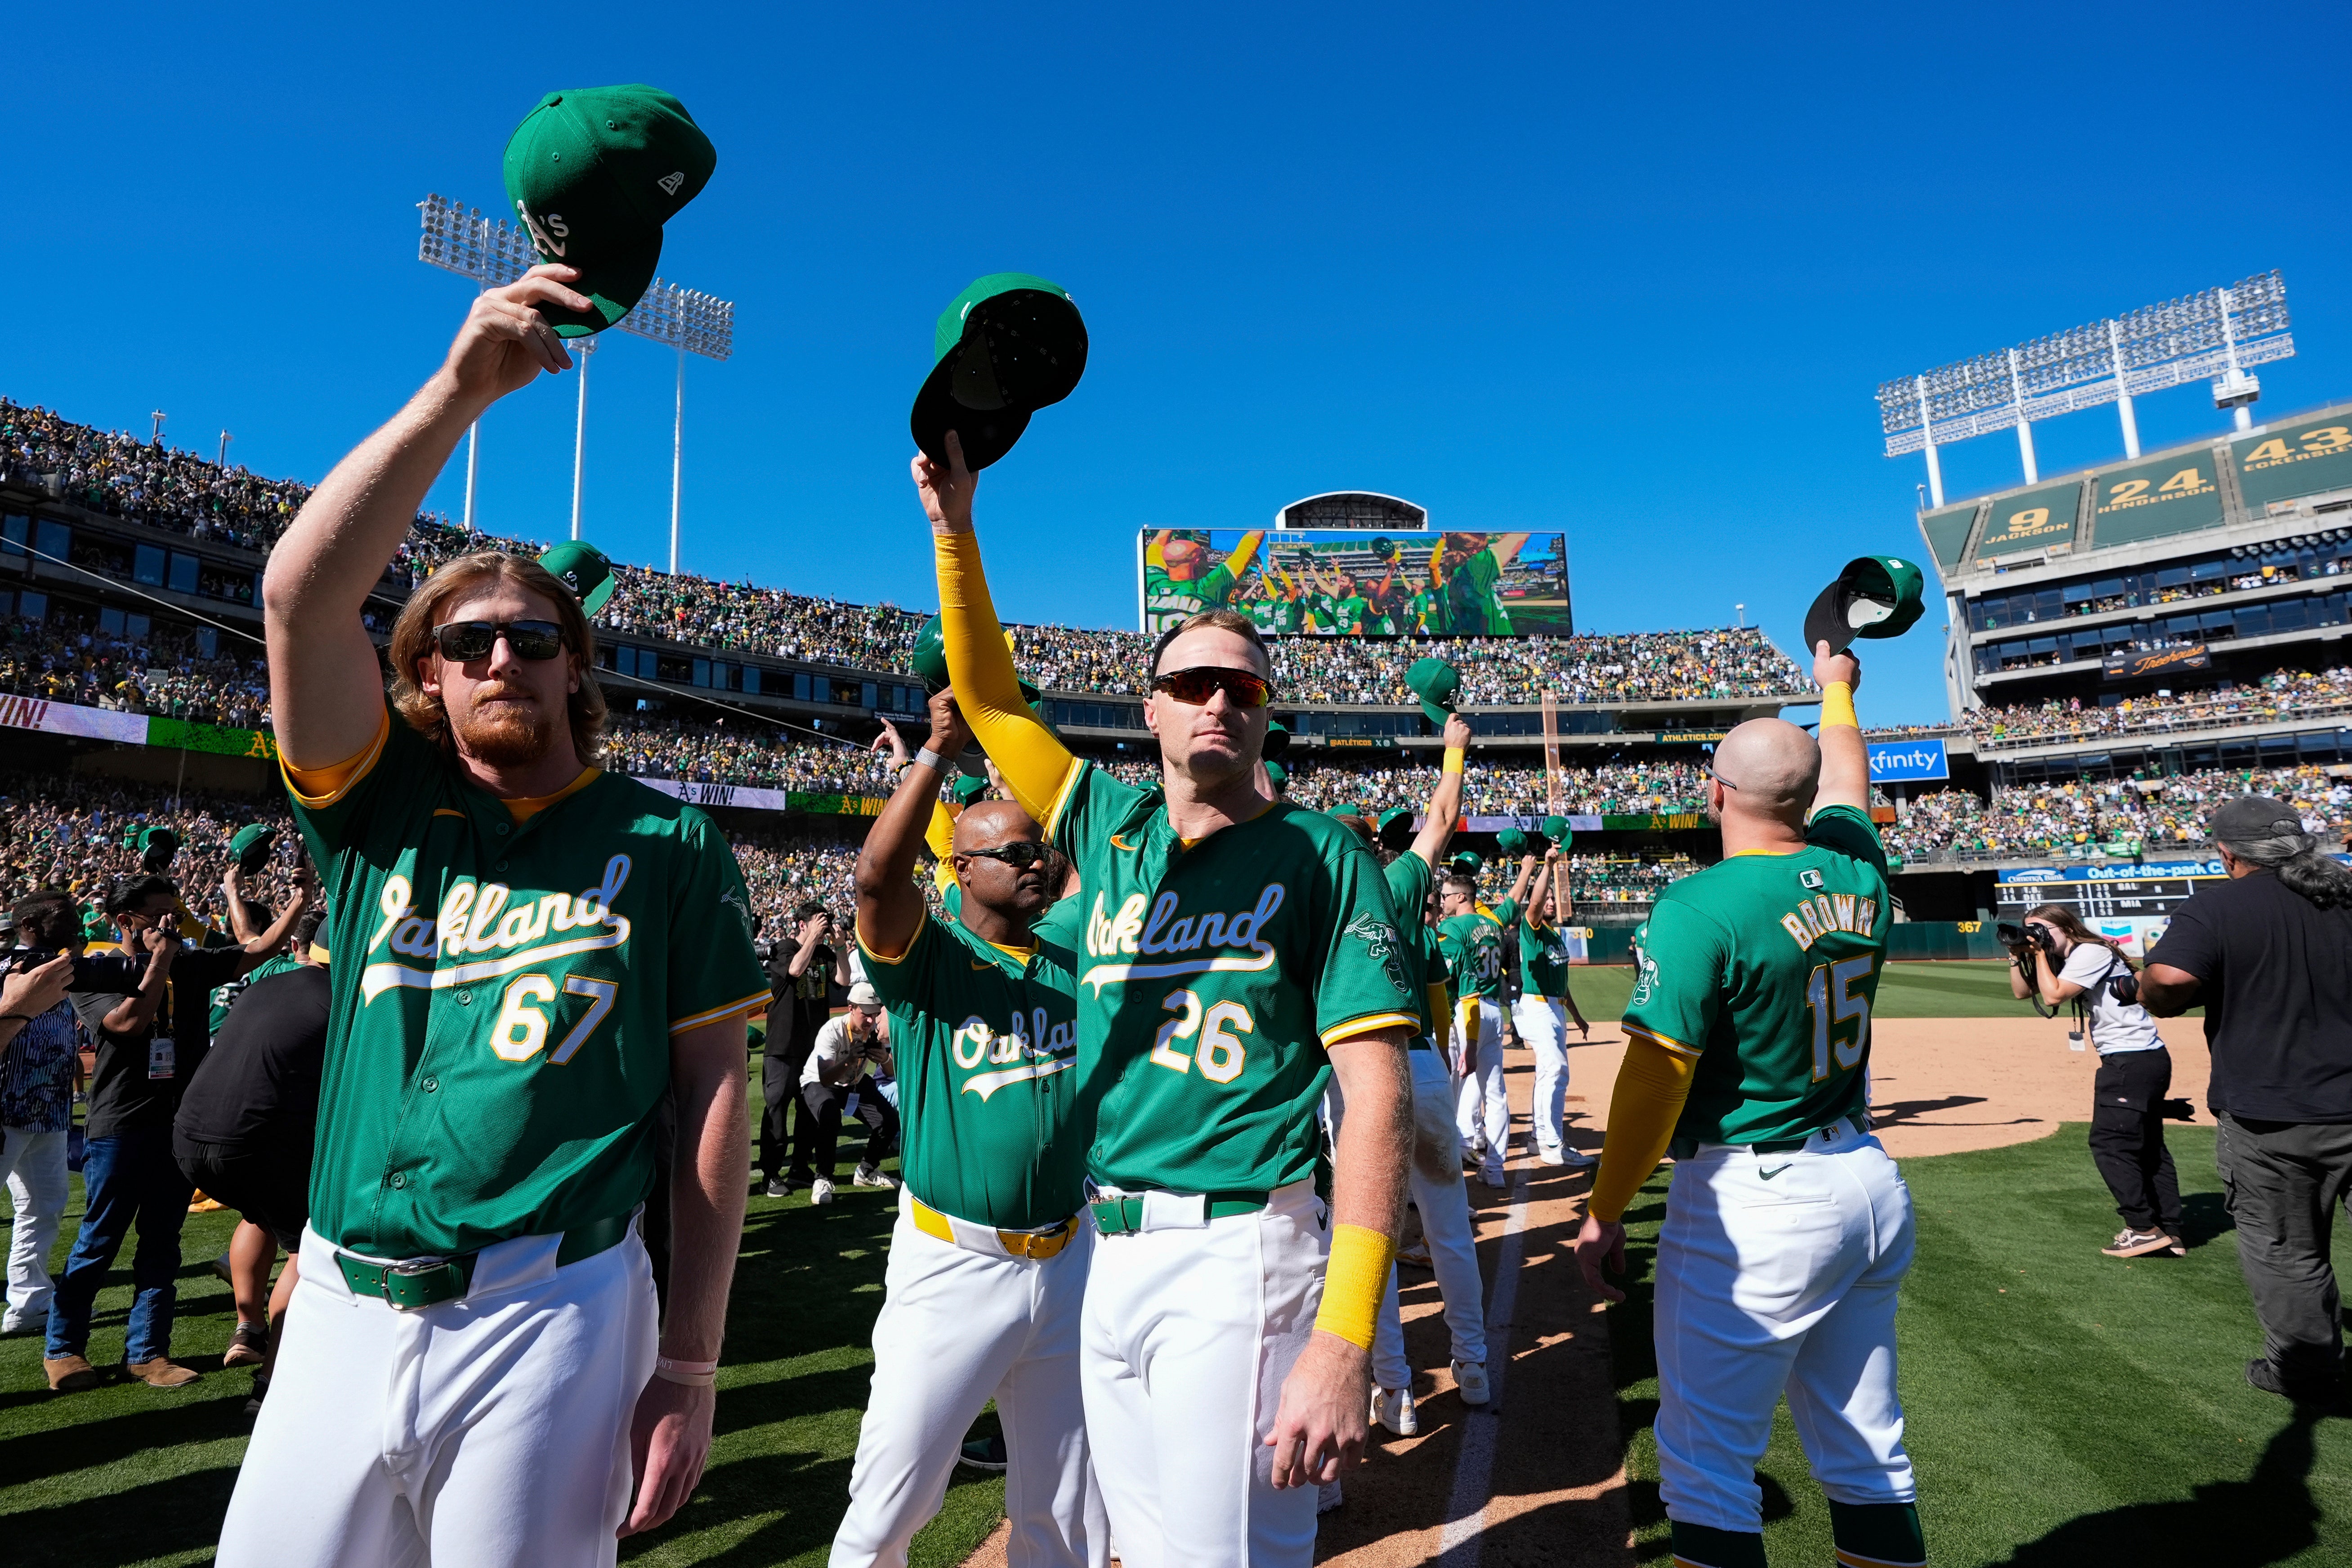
(1277, 742)
(1874, 596)
(594, 173)
(1512, 843)
(581, 567)
(157, 843)
(1395, 828)
(249, 845)
(928, 658)
(1352, 810)
(1468, 861)
(1435, 682)
(1008, 345)
(1556, 828)
(1279, 777)
(967, 790)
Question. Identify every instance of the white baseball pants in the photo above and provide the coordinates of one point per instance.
(488, 1432)
(1778, 1273)
(1543, 1023)
(1485, 1114)
(35, 1165)
(1435, 1174)
(1191, 1327)
(959, 1328)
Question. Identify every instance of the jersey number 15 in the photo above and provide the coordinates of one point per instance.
(1829, 998)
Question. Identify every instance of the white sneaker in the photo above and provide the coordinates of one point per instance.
(1393, 1408)
(1574, 1159)
(867, 1176)
(821, 1193)
(1470, 1376)
(1327, 1497)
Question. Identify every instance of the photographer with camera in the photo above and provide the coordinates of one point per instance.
(2268, 953)
(2059, 959)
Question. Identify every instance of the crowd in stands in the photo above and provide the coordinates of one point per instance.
(1610, 789)
(147, 668)
(1721, 664)
(740, 751)
(2282, 694)
(2129, 815)
(78, 834)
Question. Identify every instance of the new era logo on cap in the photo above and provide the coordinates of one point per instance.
(670, 183)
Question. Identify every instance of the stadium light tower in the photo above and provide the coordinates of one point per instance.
(461, 240)
(2218, 334)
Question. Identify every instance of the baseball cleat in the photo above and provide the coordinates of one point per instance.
(1470, 1377)
(985, 1453)
(822, 1192)
(1577, 1160)
(867, 1176)
(2130, 1243)
(1393, 1408)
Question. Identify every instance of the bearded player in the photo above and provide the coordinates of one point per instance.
(529, 953)
(988, 1264)
(1787, 1231)
(1239, 955)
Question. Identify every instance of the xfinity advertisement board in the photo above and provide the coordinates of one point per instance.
(1908, 762)
(1355, 583)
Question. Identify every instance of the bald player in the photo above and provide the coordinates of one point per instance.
(1787, 1231)
(529, 955)
(988, 1263)
(1238, 954)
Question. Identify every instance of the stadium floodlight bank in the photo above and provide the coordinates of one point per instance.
(2220, 332)
(461, 240)
(2216, 561)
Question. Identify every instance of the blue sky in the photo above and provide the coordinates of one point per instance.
(1632, 275)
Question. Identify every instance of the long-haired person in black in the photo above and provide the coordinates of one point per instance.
(2063, 962)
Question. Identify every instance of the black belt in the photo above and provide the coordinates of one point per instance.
(421, 1282)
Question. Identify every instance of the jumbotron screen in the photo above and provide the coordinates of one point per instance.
(1349, 582)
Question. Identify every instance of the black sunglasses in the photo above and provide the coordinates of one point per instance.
(1020, 853)
(466, 641)
(1194, 687)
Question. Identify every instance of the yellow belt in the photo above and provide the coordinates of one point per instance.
(1033, 1245)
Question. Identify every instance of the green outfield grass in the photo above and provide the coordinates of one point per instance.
(1973, 988)
(125, 1474)
(2063, 1407)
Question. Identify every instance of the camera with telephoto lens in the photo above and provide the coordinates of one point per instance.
(89, 972)
(2017, 938)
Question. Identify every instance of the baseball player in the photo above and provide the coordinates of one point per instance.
(1178, 579)
(529, 953)
(1787, 1231)
(1545, 1005)
(988, 1264)
(1238, 954)
(1471, 941)
(1436, 1172)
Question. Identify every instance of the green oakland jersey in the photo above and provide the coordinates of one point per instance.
(1473, 946)
(1543, 957)
(1423, 612)
(1167, 601)
(1061, 927)
(223, 997)
(504, 996)
(1349, 613)
(985, 1043)
(1211, 976)
(1764, 967)
(1408, 877)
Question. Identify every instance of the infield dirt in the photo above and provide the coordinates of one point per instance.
(1537, 1477)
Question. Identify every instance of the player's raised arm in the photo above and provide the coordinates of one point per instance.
(1446, 800)
(1846, 761)
(1034, 764)
(889, 904)
(326, 690)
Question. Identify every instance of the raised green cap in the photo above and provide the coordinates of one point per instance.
(1277, 742)
(967, 790)
(1512, 843)
(1008, 345)
(581, 567)
(1874, 596)
(929, 657)
(1556, 828)
(1468, 861)
(156, 847)
(1435, 682)
(249, 845)
(593, 173)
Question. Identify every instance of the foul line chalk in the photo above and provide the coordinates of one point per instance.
(1461, 1542)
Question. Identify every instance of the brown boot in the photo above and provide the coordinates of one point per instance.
(161, 1372)
(70, 1374)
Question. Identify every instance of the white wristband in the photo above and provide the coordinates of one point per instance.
(928, 758)
(692, 1374)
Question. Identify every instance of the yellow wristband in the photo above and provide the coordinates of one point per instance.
(1353, 1281)
(1837, 706)
(1452, 759)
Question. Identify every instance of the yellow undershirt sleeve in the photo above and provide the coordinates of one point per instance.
(1441, 1012)
(1238, 562)
(940, 835)
(1651, 1086)
(987, 691)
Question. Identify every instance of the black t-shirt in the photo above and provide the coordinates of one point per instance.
(777, 962)
(813, 997)
(259, 1087)
(2277, 987)
(135, 1086)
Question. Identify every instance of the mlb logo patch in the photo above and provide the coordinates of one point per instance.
(1810, 878)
